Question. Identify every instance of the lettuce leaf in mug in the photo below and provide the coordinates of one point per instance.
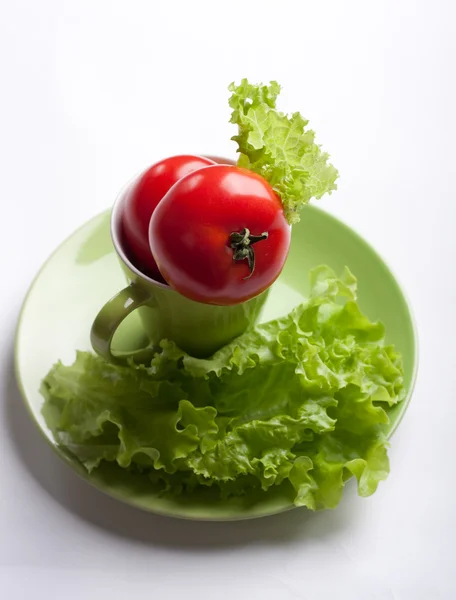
(279, 147)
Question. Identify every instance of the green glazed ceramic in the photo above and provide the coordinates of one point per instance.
(165, 313)
(84, 271)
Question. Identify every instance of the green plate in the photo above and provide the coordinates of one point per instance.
(84, 272)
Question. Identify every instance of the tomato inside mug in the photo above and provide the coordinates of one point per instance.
(145, 195)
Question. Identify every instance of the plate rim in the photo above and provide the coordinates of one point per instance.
(85, 476)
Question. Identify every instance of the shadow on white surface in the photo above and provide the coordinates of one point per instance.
(87, 503)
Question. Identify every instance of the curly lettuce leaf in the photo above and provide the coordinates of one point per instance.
(303, 399)
(279, 147)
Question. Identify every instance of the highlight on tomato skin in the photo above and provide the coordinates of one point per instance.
(220, 236)
(141, 201)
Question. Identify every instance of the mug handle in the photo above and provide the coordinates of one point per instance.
(111, 316)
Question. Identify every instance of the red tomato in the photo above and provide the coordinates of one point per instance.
(220, 236)
(144, 197)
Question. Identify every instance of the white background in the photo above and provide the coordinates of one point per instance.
(91, 92)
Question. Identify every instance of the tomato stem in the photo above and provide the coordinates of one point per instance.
(241, 242)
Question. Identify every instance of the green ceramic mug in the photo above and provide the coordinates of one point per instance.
(199, 329)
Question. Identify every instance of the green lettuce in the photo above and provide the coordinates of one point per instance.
(302, 399)
(279, 147)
